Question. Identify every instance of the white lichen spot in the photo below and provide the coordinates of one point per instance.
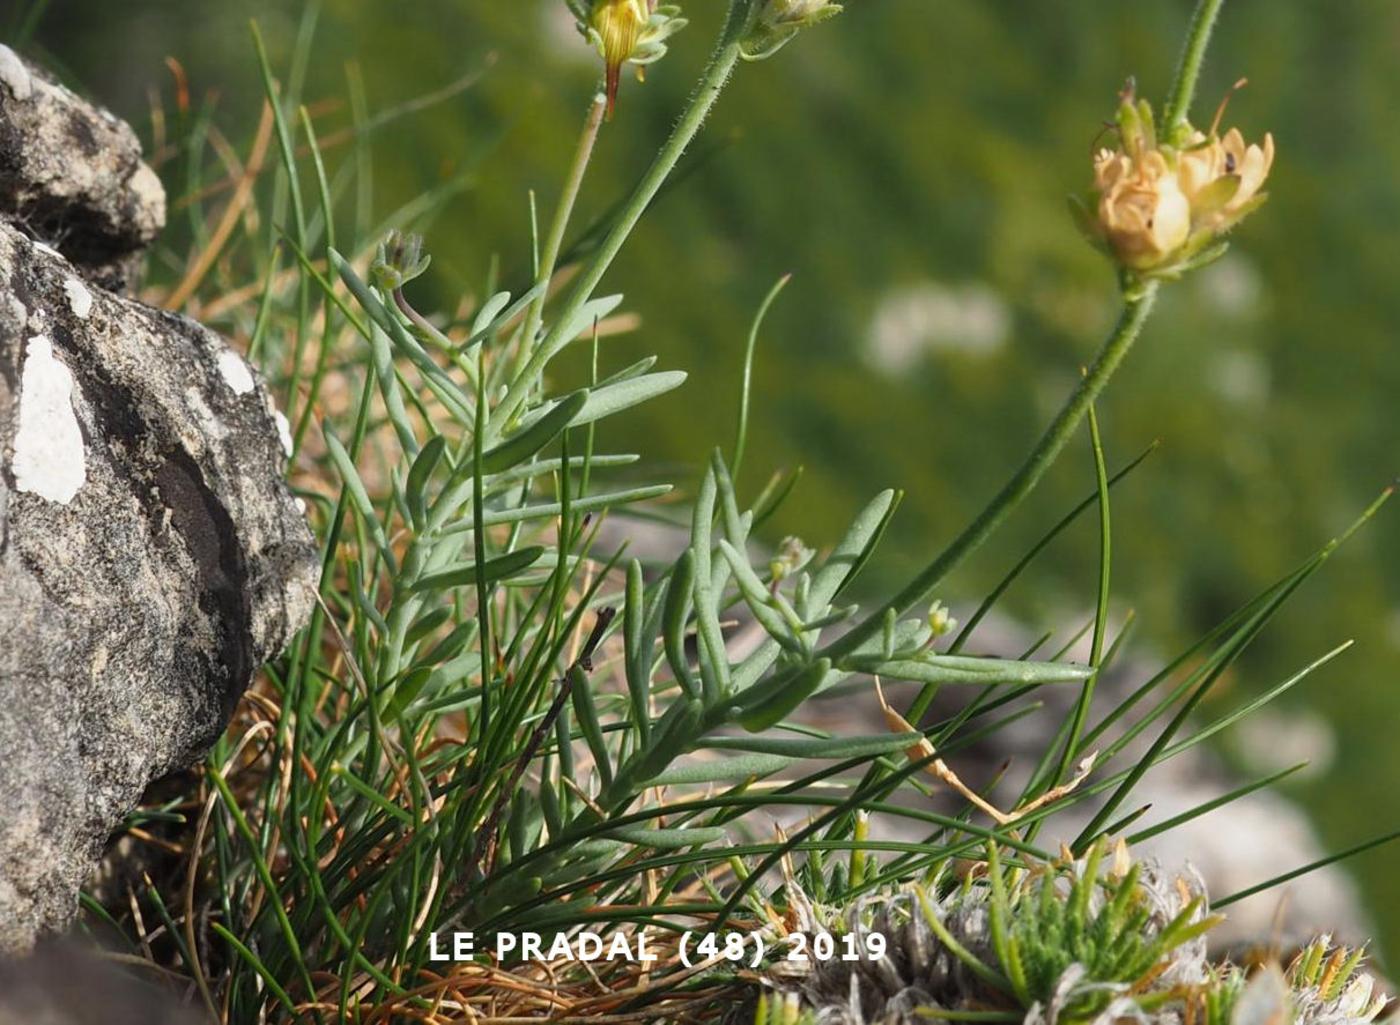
(49, 454)
(14, 75)
(284, 432)
(79, 298)
(236, 373)
(146, 184)
(301, 505)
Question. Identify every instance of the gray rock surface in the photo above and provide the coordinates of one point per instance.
(71, 174)
(62, 984)
(151, 556)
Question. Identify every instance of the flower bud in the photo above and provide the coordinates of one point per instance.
(400, 259)
(630, 31)
(778, 21)
(790, 557)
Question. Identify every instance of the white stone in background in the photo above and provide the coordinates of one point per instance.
(14, 76)
(561, 37)
(235, 372)
(1242, 377)
(79, 298)
(1233, 287)
(1270, 740)
(50, 460)
(936, 316)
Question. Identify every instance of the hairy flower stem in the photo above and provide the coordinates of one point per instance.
(921, 588)
(554, 242)
(1137, 305)
(1188, 69)
(702, 101)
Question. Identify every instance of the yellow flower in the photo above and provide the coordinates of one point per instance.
(632, 31)
(1222, 178)
(1160, 207)
(1143, 214)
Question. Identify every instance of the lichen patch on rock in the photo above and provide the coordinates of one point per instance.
(50, 460)
(284, 433)
(236, 373)
(79, 298)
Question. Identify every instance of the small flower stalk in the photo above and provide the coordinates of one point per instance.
(778, 21)
(1160, 207)
(629, 32)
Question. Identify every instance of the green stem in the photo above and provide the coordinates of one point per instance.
(741, 432)
(555, 242)
(1086, 696)
(921, 588)
(702, 101)
(1188, 69)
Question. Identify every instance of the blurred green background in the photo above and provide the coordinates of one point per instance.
(908, 163)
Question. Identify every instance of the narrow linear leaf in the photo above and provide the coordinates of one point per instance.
(586, 712)
(679, 592)
(962, 669)
(763, 707)
(522, 445)
(667, 839)
(608, 399)
(493, 570)
(416, 486)
(551, 510)
(638, 647)
(724, 770)
(817, 747)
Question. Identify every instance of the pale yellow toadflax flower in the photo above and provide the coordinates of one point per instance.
(1143, 213)
(1222, 178)
(632, 31)
(1159, 207)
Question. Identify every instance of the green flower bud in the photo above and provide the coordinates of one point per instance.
(790, 557)
(400, 259)
(777, 21)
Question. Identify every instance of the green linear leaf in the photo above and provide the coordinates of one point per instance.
(521, 446)
(817, 747)
(667, 839)
(493, 570)
(962, 669)
(724, 770)
(551, 510)
(608, 399)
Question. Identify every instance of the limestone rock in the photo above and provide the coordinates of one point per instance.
(151, 558)
(62, 984)
(71, 174)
